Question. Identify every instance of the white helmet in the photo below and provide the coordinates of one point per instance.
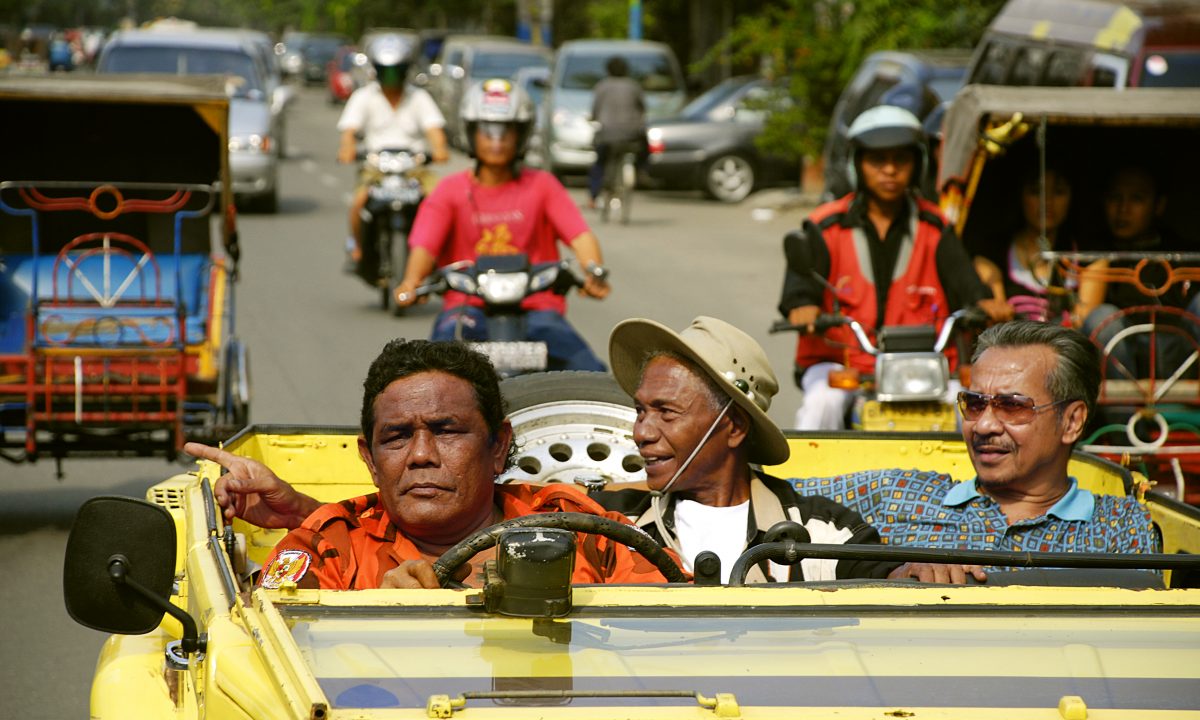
(391, 55)
(497, 101)
(885, 126)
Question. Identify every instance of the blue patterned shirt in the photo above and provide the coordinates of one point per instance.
(929, 509)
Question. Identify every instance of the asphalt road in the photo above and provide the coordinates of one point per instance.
(312, 331)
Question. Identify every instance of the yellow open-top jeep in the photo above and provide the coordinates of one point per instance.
(1069, 643)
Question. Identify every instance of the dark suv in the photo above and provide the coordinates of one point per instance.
(919, 81)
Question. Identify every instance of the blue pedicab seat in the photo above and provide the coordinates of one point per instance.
(75, 308)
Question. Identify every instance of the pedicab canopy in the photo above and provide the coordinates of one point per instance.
(115, 129)
(1089, 132)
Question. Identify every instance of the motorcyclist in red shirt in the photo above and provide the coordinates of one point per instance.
(501, 208)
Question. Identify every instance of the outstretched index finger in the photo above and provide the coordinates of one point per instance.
(207, 452)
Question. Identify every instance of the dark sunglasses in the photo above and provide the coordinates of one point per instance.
(1009, 409)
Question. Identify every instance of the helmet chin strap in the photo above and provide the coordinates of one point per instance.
(656, 495)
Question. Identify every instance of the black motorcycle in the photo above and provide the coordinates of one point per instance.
(502, 282)
(388, 215)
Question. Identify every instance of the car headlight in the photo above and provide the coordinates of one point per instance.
(250, 143)
(503, 288)
(911, 376)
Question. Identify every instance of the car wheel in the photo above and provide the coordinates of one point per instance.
(571, 426)
(729, 178)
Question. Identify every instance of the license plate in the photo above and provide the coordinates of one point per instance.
(514, 356)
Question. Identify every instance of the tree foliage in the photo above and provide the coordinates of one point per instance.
(819, 44)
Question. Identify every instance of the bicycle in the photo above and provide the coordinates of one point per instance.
(620, 178)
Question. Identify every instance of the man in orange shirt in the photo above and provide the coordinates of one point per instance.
(434, 438)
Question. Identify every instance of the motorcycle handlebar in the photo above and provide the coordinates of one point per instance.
(418, 158)
(823, 322)
(971, 317)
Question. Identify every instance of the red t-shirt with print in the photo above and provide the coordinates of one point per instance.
(461, 220)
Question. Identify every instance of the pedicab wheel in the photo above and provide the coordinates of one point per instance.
(571, 426)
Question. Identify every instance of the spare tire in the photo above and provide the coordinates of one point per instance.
(571, 426)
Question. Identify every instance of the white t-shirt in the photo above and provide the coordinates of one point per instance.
(719, 529)
(383, 126)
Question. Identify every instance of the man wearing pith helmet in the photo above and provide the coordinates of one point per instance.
(702, 397)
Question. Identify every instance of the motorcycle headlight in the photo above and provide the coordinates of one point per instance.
(911, 376)
(503, 288)
(250, 143)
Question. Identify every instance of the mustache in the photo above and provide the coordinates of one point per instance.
(993, 443)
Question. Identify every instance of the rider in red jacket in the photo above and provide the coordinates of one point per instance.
(887, 254)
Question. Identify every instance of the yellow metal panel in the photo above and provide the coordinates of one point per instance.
(129, 683)
(1119, 31)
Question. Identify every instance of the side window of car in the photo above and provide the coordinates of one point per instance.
(753, 107)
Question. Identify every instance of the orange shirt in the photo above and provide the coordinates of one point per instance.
(351, 544)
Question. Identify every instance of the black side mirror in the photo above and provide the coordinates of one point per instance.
(120, 549)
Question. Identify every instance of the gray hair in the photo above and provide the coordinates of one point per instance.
(1076, 375)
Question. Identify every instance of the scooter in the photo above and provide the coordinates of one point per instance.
(908, 392)
(502, 282)
(387, 218)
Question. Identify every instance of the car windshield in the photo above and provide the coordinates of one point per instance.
(174, 60)
(718, 94)
(399, 657)
(653, 70)
(1171, 69)
(504, 65)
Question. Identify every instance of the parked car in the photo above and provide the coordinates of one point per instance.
(1099, 43)
(916, 80)
(578, 66)
(253, 144)
(317, 51)
(348, 71)
(711, 144)
(480, 62)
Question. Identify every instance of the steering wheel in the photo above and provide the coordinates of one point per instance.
(629, 535)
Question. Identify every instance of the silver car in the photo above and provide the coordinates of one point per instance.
(253, 144)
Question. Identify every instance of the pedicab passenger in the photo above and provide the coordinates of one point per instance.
(1134, 204)
(1010, 263)
(1033, 387)
(887, 254)
(434, 437)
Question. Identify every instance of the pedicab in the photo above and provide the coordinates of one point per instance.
(118, 250)
(1150, 416)
(193, 637)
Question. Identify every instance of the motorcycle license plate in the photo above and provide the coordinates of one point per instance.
(512, 357)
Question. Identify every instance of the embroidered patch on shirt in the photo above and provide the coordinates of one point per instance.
(288, 566)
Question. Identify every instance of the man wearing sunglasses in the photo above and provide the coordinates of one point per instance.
(1033, 388)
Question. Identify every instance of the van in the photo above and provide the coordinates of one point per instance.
(578, 66)
(1097, 43)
